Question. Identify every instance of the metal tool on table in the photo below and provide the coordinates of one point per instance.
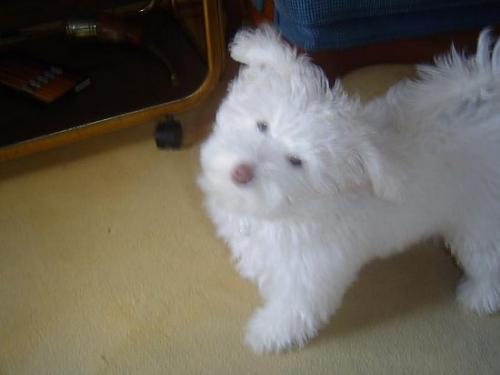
(111, 29)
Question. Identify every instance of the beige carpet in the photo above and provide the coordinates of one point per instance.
(108, 265)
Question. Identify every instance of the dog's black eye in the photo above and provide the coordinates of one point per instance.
(295, 161)
(262, 126)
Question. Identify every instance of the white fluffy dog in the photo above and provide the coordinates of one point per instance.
(307, 185)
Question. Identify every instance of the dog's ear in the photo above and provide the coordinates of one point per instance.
(382, 173)
(262, 46)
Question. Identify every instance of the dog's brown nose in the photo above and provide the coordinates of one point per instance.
(242, 174)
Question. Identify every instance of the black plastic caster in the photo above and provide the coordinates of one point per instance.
(168, 134)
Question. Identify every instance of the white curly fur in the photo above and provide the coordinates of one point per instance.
(423, 160)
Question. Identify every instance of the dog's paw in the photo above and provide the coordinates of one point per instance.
(271, 331)
(481, 297)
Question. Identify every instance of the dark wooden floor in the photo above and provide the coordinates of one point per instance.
(408, 51)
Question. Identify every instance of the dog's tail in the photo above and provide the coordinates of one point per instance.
(487, 59)
(464, 79)
(456, 82)
(456, 66)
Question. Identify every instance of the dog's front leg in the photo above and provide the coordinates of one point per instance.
(301, 295)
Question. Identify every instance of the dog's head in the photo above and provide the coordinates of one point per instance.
(283, 136)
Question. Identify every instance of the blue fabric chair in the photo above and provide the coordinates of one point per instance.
(338, 24)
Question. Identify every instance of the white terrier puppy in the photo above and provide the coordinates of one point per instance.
(307, 185)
